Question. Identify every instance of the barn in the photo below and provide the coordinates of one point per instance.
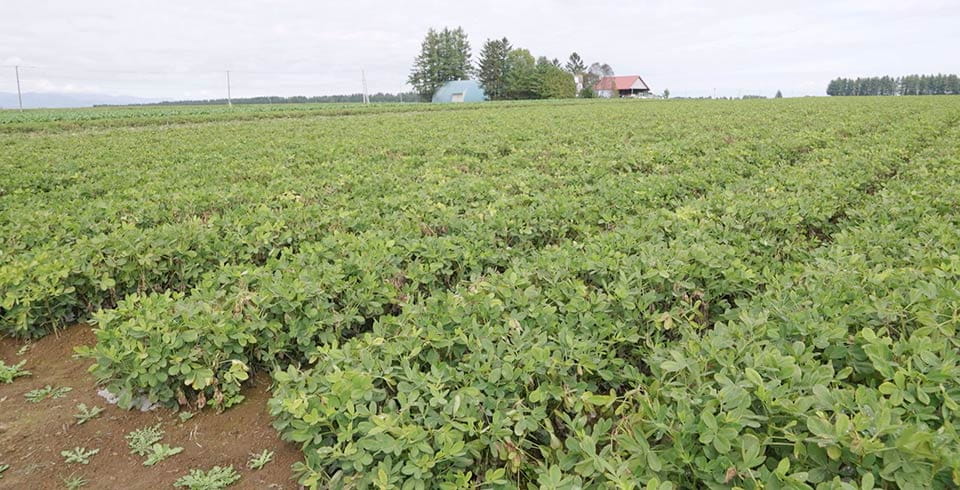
(460, 91)
(622, 86)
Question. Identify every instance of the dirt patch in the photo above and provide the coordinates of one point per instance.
(33, 434)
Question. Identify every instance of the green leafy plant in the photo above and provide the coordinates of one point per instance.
(78, 455)
(60, 392)
(259, 460)
(86, 414)
(73, 482)
(9, 373)
(141, 441)
(41, 394)
(212, 479)
(3, 467)
(159, 452)
(576, 295)
(185, 416)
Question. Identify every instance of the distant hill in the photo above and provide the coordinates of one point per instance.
(57, 100)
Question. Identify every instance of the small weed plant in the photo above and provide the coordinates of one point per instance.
(9, 373)
(141, 441)
(41, 394)
(73, 482)
(260, 460)
(85, 414)
(213, 479)
(78, 455)
(159, 452)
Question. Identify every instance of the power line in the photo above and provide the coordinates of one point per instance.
(191, 84)
(124, 72)
(21, 66)
(65, 69)
(46, 76)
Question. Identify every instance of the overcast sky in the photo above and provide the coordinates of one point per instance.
(180, 49)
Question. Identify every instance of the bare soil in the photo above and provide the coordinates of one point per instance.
(33, 434)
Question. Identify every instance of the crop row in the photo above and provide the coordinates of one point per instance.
(487, 337)
(56, 192)
(846, 367)
(61, 281)
(539, 376)
(488, 243)
(114, 118)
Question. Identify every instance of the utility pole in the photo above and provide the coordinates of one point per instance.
(19, 97)
(229, 100)
(363, 75)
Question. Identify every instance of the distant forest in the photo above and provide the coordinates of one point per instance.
(299, 99)
(907, 85)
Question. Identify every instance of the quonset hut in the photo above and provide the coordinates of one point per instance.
(459, 91)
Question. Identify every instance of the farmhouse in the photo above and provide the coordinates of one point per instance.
(460, 91)
(623, 86)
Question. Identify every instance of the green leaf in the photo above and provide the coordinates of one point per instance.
(867, 482)
(821, 428)
(599, 400)
(782, 468)
(750, 448)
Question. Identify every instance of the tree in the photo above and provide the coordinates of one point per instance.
(493, 67)
(553, 82)
(444, 56)
(666, 93)
(521, 79)
(906, 85)
(595, 73)
(576, 67)
(779, 95)
(575, 64)
(953, 84)
(910, 85)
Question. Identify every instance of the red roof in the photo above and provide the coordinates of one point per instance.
(622, 83)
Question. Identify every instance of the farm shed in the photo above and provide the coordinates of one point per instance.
(460, 91)
(624, 86)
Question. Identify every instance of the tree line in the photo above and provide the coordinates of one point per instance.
(297, 99)
(907, 85)
(505, 72)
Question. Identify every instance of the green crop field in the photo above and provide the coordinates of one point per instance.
(636, 294)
